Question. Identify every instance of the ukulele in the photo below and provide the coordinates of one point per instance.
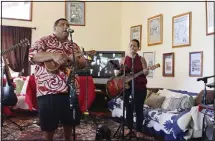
(9, 96)
(53, 66)
(114, 86)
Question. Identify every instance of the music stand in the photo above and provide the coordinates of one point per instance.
(121, 126)
(87, 73)
(120, 129)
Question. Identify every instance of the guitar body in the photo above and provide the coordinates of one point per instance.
(114, 86)
(51, 66)
(9, 96)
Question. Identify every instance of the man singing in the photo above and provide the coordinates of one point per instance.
(52, 90)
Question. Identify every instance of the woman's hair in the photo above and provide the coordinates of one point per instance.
(138, 43)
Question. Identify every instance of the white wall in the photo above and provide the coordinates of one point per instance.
(101, 32)
(135, 13)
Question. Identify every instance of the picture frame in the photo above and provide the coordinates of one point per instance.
(136, 33)
(210, 26)
(150, 60)
(155, 30)
(181, 30)
(75, 12)
(196, 64)
(23, 10)
(168, 64)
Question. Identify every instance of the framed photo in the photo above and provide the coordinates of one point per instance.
(181, 30)
(150, 60)
(17, 10)
(168, 64)
(136, 33)
(196, 64)
(210, 17)
(155, 30)
(75, 12)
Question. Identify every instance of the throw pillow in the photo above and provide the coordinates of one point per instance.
(155, 101)
(147, 95)
(175, 103)
(166, 103)
(187, 102)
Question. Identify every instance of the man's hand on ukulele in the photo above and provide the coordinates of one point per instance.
(60, 58)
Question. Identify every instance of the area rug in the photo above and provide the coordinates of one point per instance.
(31, 131)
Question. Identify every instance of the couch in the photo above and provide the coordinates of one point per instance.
(172, 114)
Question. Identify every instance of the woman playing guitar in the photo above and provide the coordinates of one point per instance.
(139, 86)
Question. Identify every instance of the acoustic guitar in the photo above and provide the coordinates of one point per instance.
(22, 43)
(9, 97)
(53, 66)
(114, 86)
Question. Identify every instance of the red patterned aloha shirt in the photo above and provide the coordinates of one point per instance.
(51, 83)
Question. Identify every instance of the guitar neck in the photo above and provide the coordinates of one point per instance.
(12, 48)
(129, 78)
(135, 75)
(7, 72)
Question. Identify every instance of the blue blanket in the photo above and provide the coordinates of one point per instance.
(174, 125)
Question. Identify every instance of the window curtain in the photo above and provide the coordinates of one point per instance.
(17, 58)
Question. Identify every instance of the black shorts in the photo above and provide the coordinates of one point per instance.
(54, 109)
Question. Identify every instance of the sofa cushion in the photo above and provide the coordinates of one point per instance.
(155, 100)
(148, 94)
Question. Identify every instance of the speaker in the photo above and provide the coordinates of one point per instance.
(103, 133)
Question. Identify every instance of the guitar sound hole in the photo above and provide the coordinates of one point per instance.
(53, 63)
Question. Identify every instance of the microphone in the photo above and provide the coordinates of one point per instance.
(204, 78)
(69, 30)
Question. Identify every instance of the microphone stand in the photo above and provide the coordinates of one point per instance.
(131, 97)
(204, 102)
(73, 98)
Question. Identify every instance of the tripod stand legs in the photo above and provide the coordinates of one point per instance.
(88, 117)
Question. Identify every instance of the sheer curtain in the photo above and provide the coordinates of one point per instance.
(17, 58)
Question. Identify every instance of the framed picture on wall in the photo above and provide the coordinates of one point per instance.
(17, 10)
(155, 30)
(150, 60)
(136, 33)
(210, 17)
(75, 12)
(168, 64)
(181, 30)
(196, 64)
